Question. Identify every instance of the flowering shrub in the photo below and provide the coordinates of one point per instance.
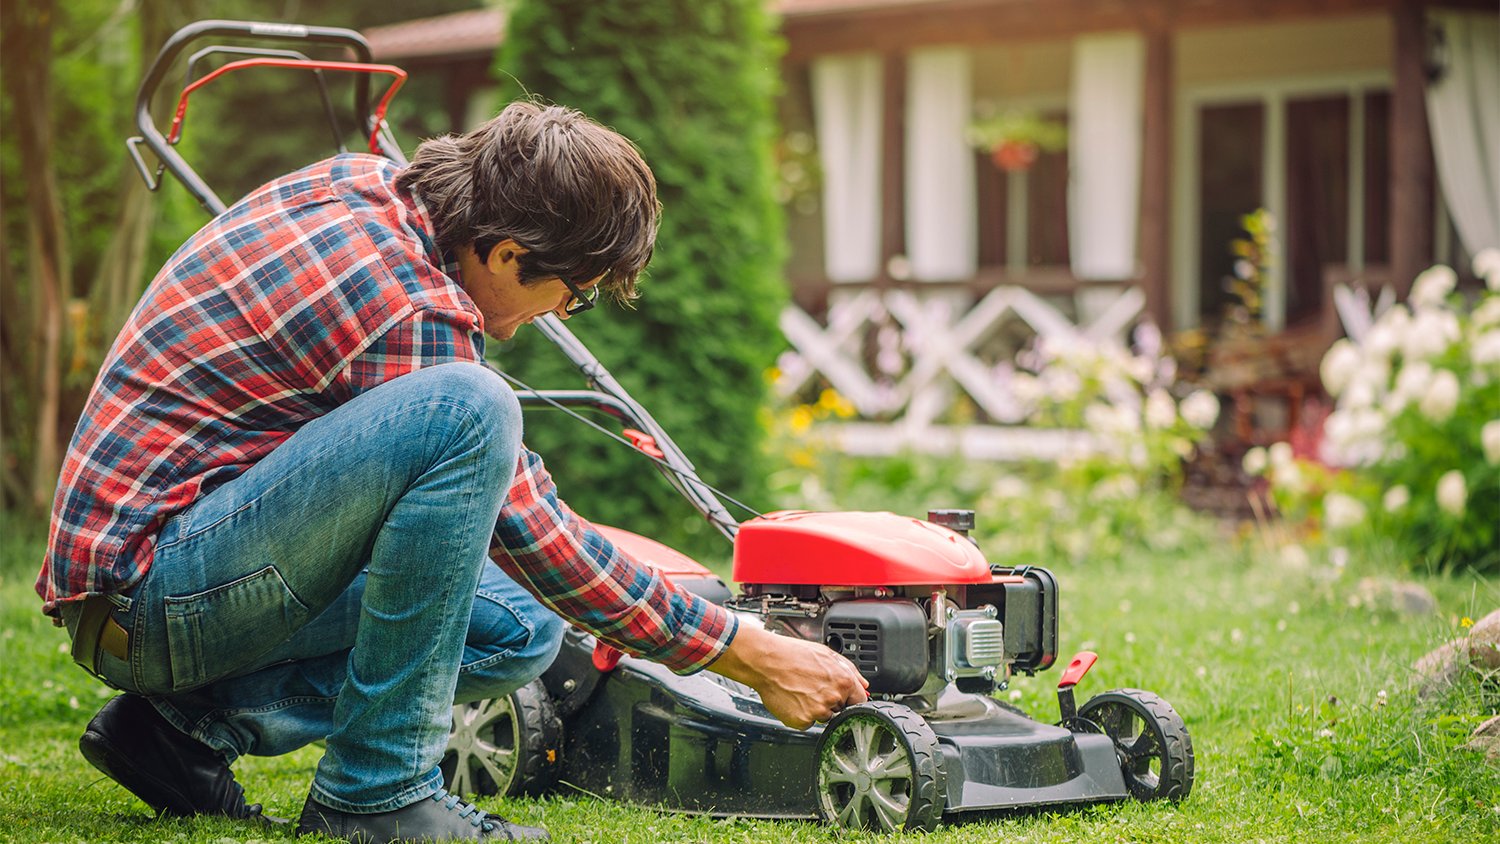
(1123, 398)
(1416, 424)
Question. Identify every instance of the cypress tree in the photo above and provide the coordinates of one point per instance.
(691, 82)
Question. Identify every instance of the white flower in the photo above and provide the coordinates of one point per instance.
(1486, 349)
(1295, 557)
(1025, 387)
(1412, 380)
(1289, 478)
(1441, 398)
(1280, 454)
(1161, 410)
(1395, 498)
(1487, 267)
(1341, 512)
(1383, 338)
(1354, 436)
(1255, 461)
(1338, 366)
(1201, 409)
(1452, 492)
(1061, 384)
(1486, 314)
(1099, 417)
(1432, 287)
(1431, 332)
(1360, 393)
(1140, 368)
(1489, 438)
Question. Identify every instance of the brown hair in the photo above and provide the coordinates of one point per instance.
(578, 196)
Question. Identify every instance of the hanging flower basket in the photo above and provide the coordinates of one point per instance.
(1015, 139)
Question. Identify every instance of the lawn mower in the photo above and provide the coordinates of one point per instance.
(933, 627)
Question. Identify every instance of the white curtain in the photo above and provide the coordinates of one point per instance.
(846, 111)
(1463, 108)
(941, 218)
(1104, 150)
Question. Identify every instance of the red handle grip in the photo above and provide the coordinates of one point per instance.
(1077, 668)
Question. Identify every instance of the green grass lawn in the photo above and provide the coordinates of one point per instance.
(1276, 671)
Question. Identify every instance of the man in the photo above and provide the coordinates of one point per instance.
(297, 507)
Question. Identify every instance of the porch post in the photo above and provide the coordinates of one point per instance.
(893, 158)
(1412, 198)
(1156, 176)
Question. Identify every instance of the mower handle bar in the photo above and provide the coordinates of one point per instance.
(169, 157)
(679, 471)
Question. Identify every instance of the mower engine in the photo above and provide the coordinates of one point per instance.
(867, 585)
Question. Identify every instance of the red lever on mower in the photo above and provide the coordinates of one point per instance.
(606, 657)
(644, 443)
(1070, 677)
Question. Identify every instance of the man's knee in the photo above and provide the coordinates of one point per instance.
(505, 666)
(479, 391)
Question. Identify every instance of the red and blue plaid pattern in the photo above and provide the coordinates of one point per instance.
(311, 290)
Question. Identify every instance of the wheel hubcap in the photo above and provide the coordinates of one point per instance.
(484, 745)
(865, 777)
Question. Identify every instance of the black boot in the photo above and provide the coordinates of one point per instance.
(441, 817)
(171, 771)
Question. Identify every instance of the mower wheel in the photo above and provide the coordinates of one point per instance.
(509, 745)
(879, 767)
(1156, 753)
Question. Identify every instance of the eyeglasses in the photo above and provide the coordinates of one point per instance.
(581, 300)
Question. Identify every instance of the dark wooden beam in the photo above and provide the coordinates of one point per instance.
(1411, 150)
(1156, 177)
(968, 22)
(892, 160)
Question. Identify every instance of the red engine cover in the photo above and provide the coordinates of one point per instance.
(854, 549)
(673, 564)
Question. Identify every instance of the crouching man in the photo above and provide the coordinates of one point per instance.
(297, 507)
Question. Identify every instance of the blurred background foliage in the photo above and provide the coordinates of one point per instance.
(691, 83)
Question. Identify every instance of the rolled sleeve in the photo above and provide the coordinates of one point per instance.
(569, 566)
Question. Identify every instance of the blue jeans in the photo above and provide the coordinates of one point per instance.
(341, 589)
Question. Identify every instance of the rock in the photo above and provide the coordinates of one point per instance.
(1486, 740)
(1439, 669)
(1398, 596)
(1484, 643)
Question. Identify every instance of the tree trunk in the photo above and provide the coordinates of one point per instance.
(28, 53)
(120, 277)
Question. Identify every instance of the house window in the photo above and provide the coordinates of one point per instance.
(1316, 227)
(1229, 187)
(1322, 159)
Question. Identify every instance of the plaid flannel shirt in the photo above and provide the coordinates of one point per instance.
(311, 290)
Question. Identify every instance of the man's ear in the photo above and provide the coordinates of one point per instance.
(505, 252)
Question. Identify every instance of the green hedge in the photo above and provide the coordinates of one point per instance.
(691, 82)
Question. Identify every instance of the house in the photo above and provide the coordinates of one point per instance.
(1368, 129)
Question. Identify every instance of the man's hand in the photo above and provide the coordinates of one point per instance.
(799, 681)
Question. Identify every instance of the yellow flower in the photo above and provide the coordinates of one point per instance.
(1466, 622)
(802, 419)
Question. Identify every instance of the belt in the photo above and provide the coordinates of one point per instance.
(98, 631)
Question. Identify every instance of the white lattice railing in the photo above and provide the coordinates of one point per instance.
(928, 349)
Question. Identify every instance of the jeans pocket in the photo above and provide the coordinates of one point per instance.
(216, 632)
